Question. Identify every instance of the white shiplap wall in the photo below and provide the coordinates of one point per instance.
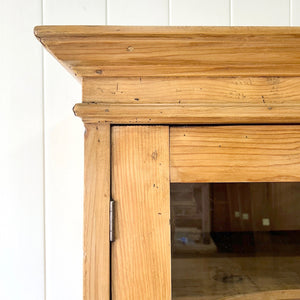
(21, 153)
(41, 170)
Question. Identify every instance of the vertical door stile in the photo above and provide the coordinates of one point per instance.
(96, 266)
(141, 252)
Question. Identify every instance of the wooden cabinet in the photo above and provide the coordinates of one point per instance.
(166, 105)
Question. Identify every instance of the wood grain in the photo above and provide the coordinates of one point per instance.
(187, 113)
(235, 154)
(101, 51)
(192, 90)
(141, 254)
(158, 31)
(96, 213)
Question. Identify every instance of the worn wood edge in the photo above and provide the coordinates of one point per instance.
(63, 63)
(214, 70)
(187, 113)
(96, 246)
(104, 30)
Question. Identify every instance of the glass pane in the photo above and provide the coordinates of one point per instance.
(234, 238)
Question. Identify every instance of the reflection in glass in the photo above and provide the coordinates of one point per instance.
(234, 238)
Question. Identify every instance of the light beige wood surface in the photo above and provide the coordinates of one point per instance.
(141, 253)
(158, 31)
(261, 91)
(190, 100)
(96, 266)
(103, 51)
(235, 153)
(187, 113)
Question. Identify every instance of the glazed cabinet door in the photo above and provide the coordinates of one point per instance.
(203, 172)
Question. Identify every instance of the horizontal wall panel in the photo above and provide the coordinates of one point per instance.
(235, 154)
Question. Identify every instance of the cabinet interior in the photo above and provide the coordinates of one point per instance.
(234, 238)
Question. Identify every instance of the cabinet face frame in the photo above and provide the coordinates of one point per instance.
(169, 76)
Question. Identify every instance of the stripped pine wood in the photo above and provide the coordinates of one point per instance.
(158, 31)
(187, 113)
(101, 51)
(141, 253)
(235, 154)
(96, 265)
(192, 90)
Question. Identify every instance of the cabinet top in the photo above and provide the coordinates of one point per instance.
(169, 51)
